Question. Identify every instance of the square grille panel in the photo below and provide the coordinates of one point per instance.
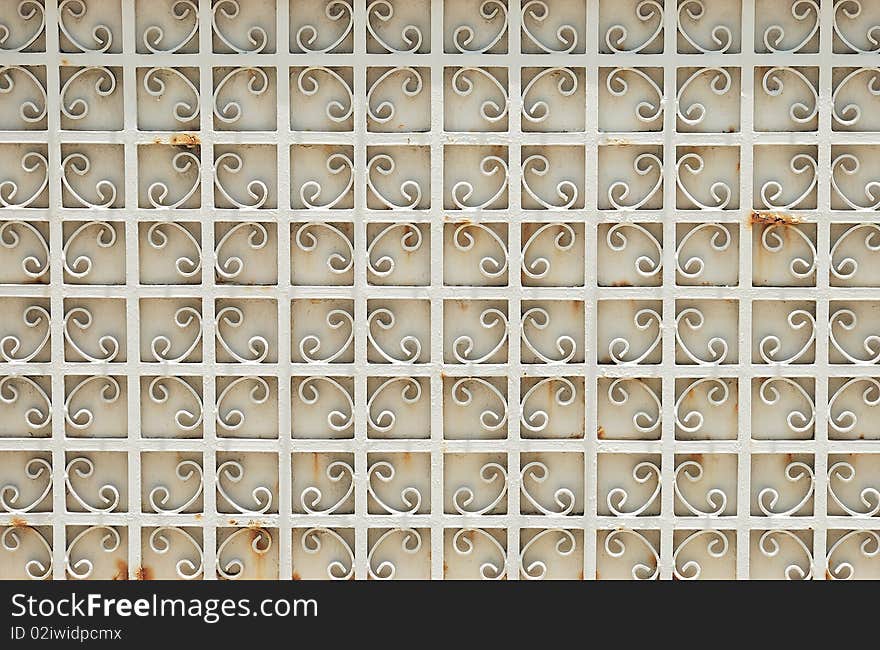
(454, 289)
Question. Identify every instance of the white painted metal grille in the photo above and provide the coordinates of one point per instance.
(501, 289)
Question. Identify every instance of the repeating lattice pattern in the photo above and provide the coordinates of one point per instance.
(464, 288)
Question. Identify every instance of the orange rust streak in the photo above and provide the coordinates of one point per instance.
(121, 570)
(185, 139)
(188, 140)
(773, 218)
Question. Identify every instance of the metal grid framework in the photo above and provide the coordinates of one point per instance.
(501, 289)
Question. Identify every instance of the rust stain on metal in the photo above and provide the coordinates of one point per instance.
(773, 218)
(121, 570)
(296, 576)
(601, 432)
(144, 573)
(185, 140)
(19, 522)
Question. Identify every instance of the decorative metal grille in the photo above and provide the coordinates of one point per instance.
(471, 288)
